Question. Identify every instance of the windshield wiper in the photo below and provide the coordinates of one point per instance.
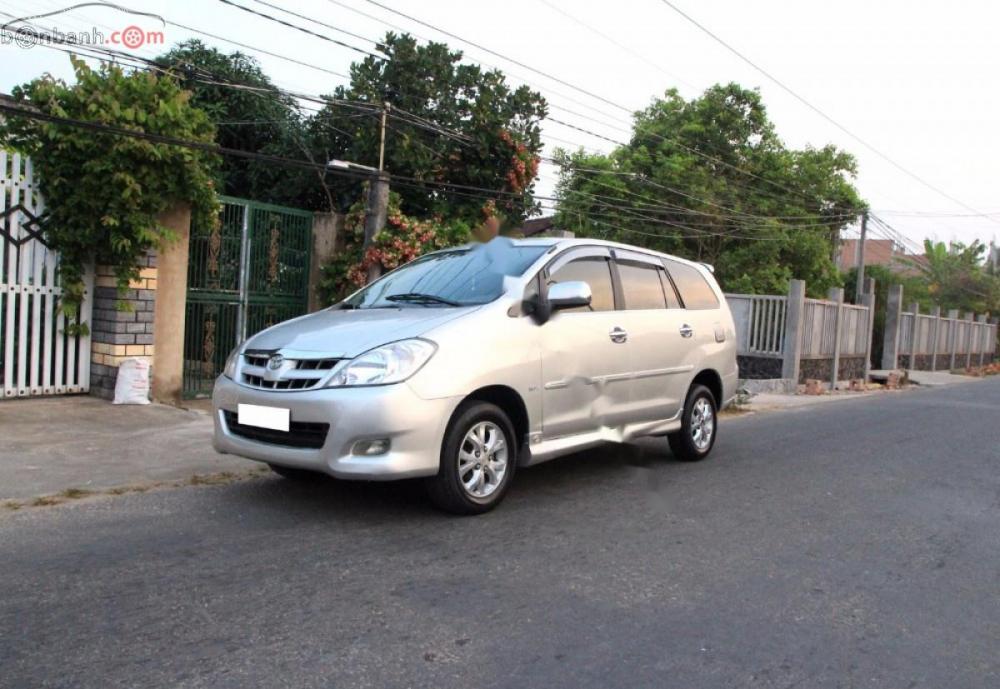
(418, 298)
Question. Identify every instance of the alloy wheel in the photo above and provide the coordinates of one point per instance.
(482, 459)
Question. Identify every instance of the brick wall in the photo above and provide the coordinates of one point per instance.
(119, 334)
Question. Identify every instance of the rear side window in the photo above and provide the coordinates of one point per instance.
(596, 272)
(641, 285)
(695, 291)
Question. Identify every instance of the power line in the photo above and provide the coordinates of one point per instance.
(481, 62)
(611, 39)
(302, 29)
(316, 21)
(819, 112)
(496, 54)
(259, 50)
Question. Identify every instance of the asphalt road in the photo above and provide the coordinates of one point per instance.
(856, 544)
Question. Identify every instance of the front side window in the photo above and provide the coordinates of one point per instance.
(596, 272)
(641, 285)
(695, 291)
(465, 276)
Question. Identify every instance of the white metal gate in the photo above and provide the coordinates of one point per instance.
(37, 357)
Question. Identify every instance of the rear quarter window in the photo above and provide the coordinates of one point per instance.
(694, 289)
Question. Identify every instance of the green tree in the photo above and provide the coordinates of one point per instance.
(449, 122)
(709, 179)
(104, 192)
(251, 116)
(956, 277)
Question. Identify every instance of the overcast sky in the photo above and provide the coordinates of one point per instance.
(916, 80)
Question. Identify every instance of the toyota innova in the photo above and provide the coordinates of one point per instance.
(470, 363)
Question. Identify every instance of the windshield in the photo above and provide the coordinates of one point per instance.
(464, 276)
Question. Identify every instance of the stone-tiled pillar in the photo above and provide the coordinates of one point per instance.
(120, 333)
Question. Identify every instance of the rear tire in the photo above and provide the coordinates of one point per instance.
(699, 426)
(478, 459)
(291, 474)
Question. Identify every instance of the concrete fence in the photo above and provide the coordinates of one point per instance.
(932, 342)
(792, 338)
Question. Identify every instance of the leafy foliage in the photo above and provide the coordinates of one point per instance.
(496, 139)
(105, 191)
(710, 180)
(956, 277)
(403, 239)
(254, 117)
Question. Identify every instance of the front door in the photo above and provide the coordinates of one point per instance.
(585, 361)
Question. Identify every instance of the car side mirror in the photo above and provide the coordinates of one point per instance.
(569, 295)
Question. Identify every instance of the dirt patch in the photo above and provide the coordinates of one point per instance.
(77, 494)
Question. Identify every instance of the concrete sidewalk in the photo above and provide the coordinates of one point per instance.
(929, 379)
(48, 445)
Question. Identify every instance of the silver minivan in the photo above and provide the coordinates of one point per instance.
(469, 363)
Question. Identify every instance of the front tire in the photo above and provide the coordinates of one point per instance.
(478, 458)
(699, 424)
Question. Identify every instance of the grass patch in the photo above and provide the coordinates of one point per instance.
(75, 493)
(212, 479)
(46, 500)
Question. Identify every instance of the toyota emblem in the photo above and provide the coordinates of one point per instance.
(275, 362)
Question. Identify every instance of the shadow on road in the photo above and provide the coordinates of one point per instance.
(326, 498)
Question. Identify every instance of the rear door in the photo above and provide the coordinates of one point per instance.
(585, 364)
(662, 354)
(702, 313)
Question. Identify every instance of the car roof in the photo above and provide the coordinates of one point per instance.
(565, 243)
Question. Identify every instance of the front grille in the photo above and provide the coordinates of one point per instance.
(291, 384)
(303, 434)
(297, 374)
(259, 360)
(315, 364)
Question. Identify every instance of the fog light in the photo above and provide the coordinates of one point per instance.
(370, 448)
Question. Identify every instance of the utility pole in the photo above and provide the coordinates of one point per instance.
(859, 285)
(381, 141)
(378, 199)
(378, 194)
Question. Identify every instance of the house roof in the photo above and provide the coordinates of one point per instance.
(537, 225)
(878, 252)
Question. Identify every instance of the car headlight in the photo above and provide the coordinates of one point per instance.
(230, 370)
(390, 363)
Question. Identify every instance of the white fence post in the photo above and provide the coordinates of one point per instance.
(893, 321)
(868, 300)
(969, 330)
(914, 334)
(793, 330)
(836, 294)
(983, 330)
(935, 331)
(953, 338)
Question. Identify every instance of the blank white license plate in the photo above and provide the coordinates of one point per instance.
(275, 418)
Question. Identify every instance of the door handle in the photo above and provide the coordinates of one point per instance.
(686, 330)
(618, 335)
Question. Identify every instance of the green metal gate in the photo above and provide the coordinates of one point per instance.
(246, 274)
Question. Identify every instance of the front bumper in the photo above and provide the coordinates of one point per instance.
(414, 426)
